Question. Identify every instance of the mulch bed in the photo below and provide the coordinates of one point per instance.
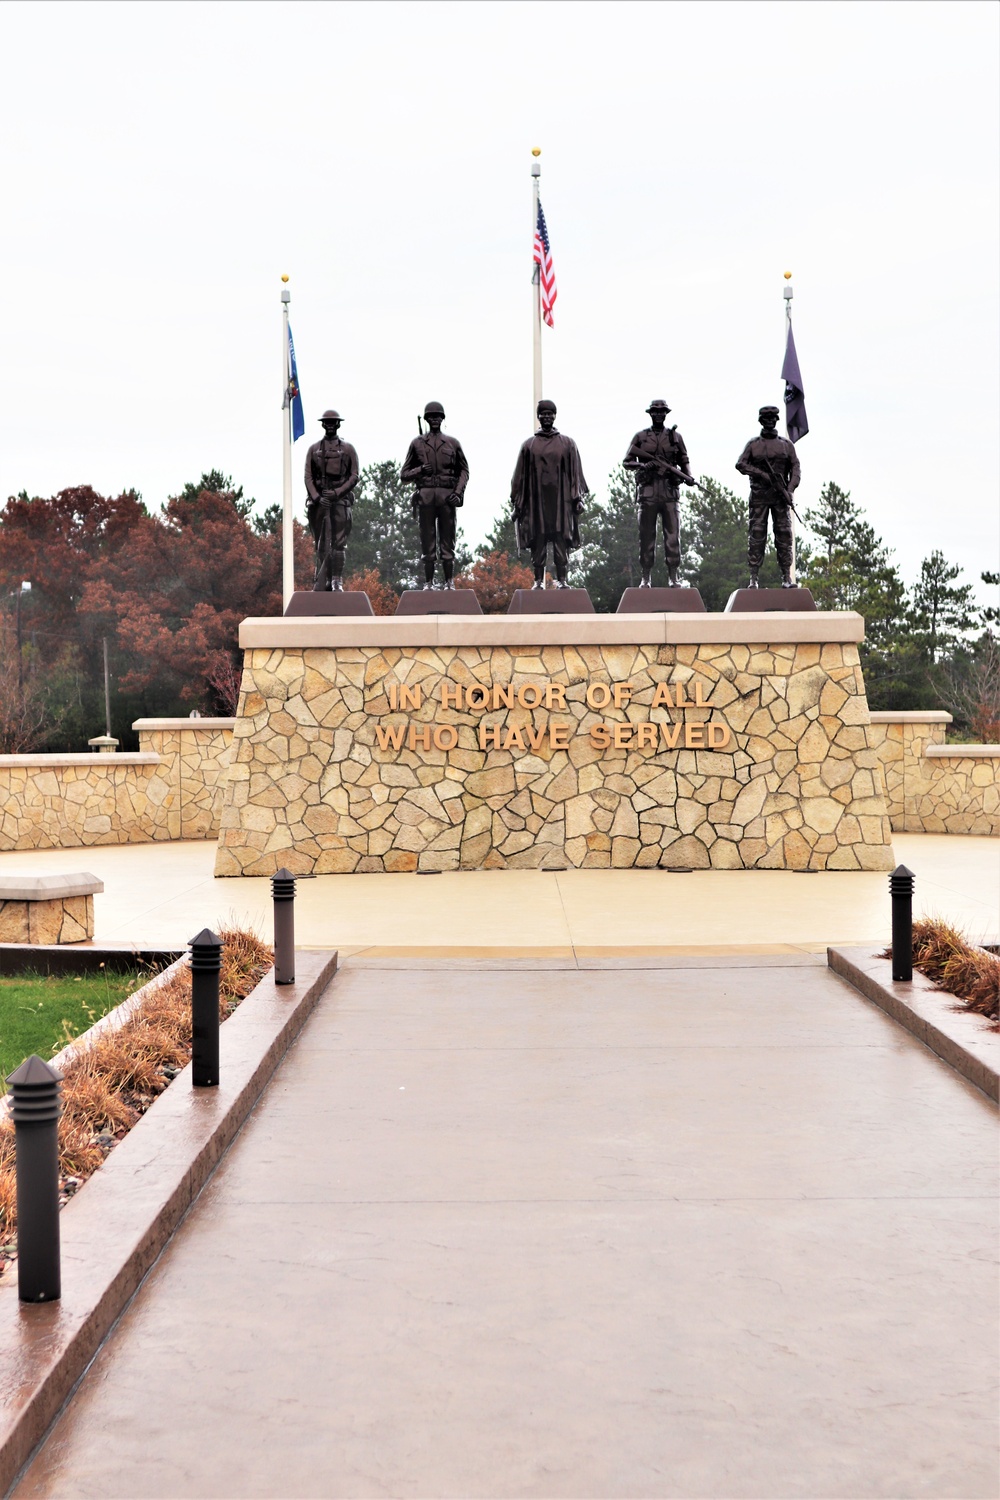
(956, 966)
(109, 1086)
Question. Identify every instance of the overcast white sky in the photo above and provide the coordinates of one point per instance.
(163, 164)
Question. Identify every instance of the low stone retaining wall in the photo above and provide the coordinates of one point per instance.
(932, 787)
(170, 789)
(173, 788)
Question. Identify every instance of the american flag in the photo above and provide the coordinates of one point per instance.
(543, 260)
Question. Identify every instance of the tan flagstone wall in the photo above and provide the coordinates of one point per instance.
(171, 789)
(67, 919)
(932, 787)
(792, 780)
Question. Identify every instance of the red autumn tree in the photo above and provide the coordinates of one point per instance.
(176, 591)
(495, 576)
(382, 596)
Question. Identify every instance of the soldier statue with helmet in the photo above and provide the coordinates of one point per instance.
(772, 465)
(658, 458)
(331, 477)
(437, 467)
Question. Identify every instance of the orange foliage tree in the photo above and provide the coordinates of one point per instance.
(494, 576)
(382, 595)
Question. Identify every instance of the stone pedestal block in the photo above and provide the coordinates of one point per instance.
(550, 602)
(330, 602)
(47, 908)
(650, 601)
(682, 741)
(438, 602)
(753, 601)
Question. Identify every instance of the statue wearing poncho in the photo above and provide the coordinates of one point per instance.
(547, 493)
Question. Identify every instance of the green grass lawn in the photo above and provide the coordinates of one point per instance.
(42, 1012)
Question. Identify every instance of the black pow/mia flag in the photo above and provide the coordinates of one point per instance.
(796, 421)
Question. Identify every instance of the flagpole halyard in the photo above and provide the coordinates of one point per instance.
(287, 526)
(536, 295)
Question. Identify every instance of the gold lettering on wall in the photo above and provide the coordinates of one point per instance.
(648, 735)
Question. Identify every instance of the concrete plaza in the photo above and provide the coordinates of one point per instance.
(159, 895)
(708, 1229)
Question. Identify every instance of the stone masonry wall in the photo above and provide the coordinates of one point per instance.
(197, 752)
(172, 789)
(788, 778)
(66, 919)
(932, 787)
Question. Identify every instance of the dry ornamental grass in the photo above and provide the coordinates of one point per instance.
(107, 1088)
(971, 974)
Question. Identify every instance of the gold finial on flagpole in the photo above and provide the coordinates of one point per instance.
(284, 278)
(788, 275)
(536, 150)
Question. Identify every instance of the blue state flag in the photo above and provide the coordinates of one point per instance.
(293, 395)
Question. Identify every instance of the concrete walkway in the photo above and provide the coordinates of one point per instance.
(157, 895)
(703, 1230)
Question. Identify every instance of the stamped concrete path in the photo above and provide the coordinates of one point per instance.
(700, 1229)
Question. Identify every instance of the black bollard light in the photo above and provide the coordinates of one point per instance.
(35, 1108)
(901, 891)
(206, 961)
(283, 891)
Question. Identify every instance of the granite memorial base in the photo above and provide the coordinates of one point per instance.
(762, 601)
(550, 602)
(661, 601)
(698, 741)
(438, 602)
(329, 602)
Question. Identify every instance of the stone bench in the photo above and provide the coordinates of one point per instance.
(47, 908)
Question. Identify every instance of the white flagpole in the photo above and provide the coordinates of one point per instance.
(788, 323)
(287, 530)
(536, 295)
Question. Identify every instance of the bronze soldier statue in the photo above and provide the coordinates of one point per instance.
(331, 475)
(658, 458)
(772, 465)
(438, 468)
(547, 493)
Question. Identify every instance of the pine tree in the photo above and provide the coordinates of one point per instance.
(608, 561)
(940, 613)
(833, 520)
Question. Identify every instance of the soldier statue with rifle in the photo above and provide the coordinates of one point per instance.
(331, 477)
(659, 460)
(772, 465)
(437, 466)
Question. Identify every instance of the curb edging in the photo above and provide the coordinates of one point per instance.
(115, 1227)
(928, 1013)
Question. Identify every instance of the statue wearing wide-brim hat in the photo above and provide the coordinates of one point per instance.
(659, 460)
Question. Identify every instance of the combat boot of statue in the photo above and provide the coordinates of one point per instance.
(647, 582)
(337, 585)
(539, 582)
(786, 581)
(753, 584)
(428, 576)
(672, 578)
(561, 581)
(449, 581)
